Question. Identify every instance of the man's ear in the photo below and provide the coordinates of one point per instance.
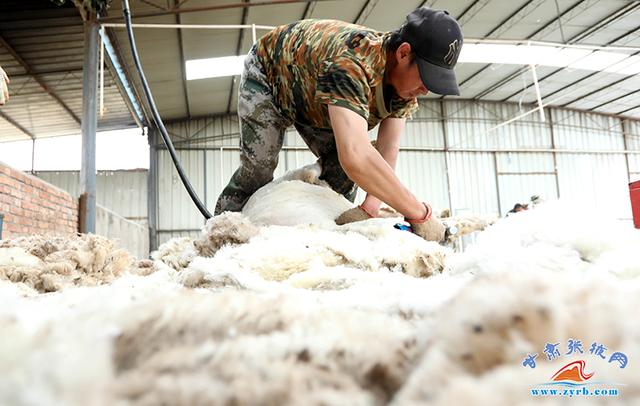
(403, 53)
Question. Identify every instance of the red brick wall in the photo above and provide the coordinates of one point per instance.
(31, 206)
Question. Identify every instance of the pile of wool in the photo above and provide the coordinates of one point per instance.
(279, 305)
(149, 340)
(48, 264)
(335, 333)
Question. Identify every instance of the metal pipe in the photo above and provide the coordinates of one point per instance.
(445, 143)
(152, 193)
(193, 26)
(101, 72)
(89, 126)
(555, 158)
(33, 156)
(518, 117)
(121, 79)
(212, 8)
(497, 179)
(538, 96)
(550, 44)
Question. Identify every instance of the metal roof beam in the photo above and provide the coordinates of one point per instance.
(308, 10)
(152, 4)
(48, 72)
(589, 75)
(366, 10)
(37, 78)
(576, 9)
(515, 17)
(616, 99)
(424, 3)
(210, 8)
(470, 12)
(590, 31)
(506, 24)
(245, 12)
(539, 30)
(17, 125)
(121, 75)
(629, 109)
(182, 62)
(595, 73)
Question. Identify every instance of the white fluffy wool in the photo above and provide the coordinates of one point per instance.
(342, 318)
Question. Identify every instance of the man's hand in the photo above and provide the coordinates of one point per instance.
(4, 87)
(428, 227)
(352, 215)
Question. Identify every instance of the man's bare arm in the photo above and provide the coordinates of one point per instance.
(366, 167)
(388, 145)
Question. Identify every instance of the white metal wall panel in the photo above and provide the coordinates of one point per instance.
(524, 162)
(124, 192)
(65, 180)
(473, 183)
(633, 135)
(425, 174)
(596, 179)
(290, 160)
(205, 132)
(633, 144)
(176, 210)
(522, 175)
(293, 139)
(473, 125)
(422, 164)
(586, 132)
(425, 129)
(519, 189)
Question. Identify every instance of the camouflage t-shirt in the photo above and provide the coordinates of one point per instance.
(313, 63)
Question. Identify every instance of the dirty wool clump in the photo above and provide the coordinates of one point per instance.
(48, 264)
(225, 229)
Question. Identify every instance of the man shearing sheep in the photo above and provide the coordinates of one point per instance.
(335, 81)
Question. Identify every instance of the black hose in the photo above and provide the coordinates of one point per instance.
(156, 115)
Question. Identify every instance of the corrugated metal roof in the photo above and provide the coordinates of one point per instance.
(42, 52)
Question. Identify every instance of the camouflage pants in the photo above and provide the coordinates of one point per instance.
(262, 129)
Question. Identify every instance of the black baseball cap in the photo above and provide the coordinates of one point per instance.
(436, 39)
